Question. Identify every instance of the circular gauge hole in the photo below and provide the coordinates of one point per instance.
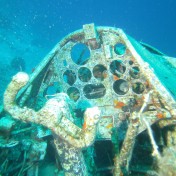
(94, 91)
(73, 93)
(121, 87)
(131, 62)
(69, 77)
(84, 74)
(100, 72)
(134, 72)
(138, 88)
(80, 54)
(120, 49)
(117, 68)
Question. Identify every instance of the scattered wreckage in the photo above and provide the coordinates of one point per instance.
(90, 100)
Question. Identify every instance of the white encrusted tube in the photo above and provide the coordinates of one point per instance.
(53, 115)
(154, 145)
(18, 81)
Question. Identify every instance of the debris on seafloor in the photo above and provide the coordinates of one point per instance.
(110, 109)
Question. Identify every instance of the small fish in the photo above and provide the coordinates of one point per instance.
(118, 104)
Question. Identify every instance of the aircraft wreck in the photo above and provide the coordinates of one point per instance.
(101, 101)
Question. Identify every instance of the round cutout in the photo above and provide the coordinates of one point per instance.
(80, 54)
(94, 91)
(73, 93)
(131, 62)
(84, 74)
(138, 88)
(134, 72)
(69, 77)
(100, 72)
(121, 87)
(120, 49)
(117, 68)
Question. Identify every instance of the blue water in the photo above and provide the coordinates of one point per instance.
(30, 28)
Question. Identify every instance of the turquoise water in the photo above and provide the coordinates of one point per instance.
(30, 26)
(29, 29)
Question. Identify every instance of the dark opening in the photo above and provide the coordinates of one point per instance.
(104, 157)
(84, 74)
(120, 49)
(94, 91)
(73, 93)
(80, 54)
(131, 62)
(69, 77)
(100, 72)
(134, 72)
(121, 87)
(138, 87)
(117, 68)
